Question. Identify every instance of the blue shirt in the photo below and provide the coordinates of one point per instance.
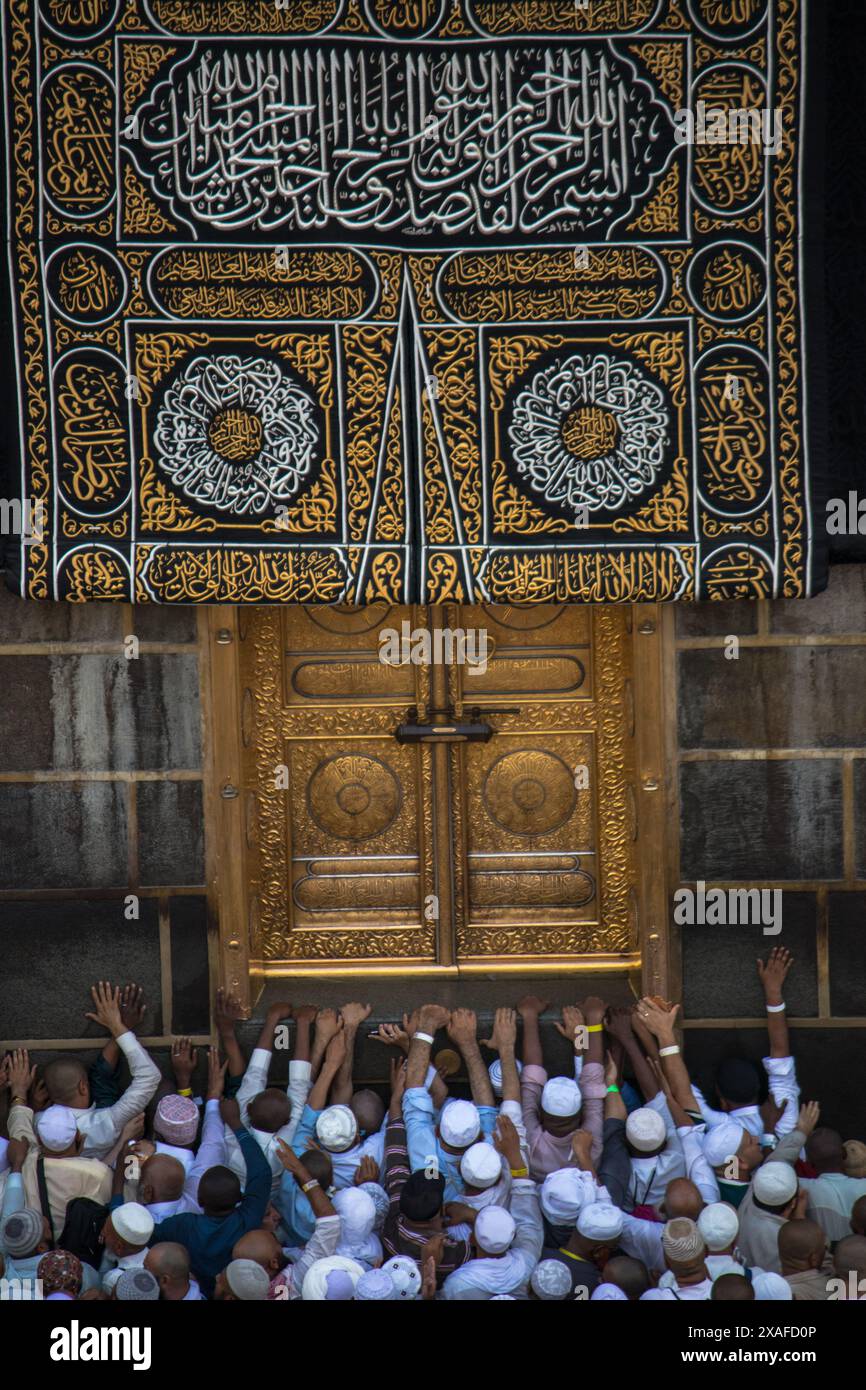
(211, 1239)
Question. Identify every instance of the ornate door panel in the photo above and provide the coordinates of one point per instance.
(546, 843)
(365, 853)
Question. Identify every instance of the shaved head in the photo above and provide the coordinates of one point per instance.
(628, 1274)
(63, 1078)
(850, 1257)
(168, 1261)
(369, 1111)
(682, 1198)
(826, 1151)
(219, 1191)
(732, 1288)
(263, 1247)
(801, 1246)
(162, 1178)
(270, 1110)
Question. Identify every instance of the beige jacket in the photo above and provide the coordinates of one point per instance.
(65, 1178)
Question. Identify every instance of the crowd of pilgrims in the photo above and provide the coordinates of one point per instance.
(619, 1181)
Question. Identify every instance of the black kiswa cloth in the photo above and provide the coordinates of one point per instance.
(331, 304)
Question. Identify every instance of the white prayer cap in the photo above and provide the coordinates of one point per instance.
(315, 1285)
(357, 1212)
(563, 1193)
(769, 1287)
(775, 1183)
(248, 1281)
(459, 1124)
(380, 1199)
(551, 1280)
(682, 1241)
(375, 1285)
(494, 1230)
(406, 1275)
(608, 1293)
(561, 1096)
(719, 1225)
(722, 1142)
(600, 1221)
(645, 1129)
(133, 1223)
(494, 1071)
(481, 1166)
(337, 1129)
(56, 1128)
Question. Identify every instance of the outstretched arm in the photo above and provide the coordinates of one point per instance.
(463, 1031)
(530, 1008)
(353, 1015)
(772, 973)
(661, 1024)
(228, 1009)
(620, 1027)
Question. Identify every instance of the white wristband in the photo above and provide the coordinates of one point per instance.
(668, 1051)
(423, 1037)
(775, 1008)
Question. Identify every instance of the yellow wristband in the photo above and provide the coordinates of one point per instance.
(594, 1027)
(187, 1091)
(520, 1172)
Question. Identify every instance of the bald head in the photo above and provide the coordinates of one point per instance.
(849, 1257)
(168, 1260)
(628, 1274)
(802, 1245)
(270, 1110)
(732, 1288)
(682, 1198)
(66, 1082)
(826, 1151)
(369, 1111)
(162, 1179)
(263, 1247)
(169, 1265)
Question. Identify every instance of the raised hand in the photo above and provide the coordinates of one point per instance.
(183, 1062)
(290, 1160)
(660, 1022)
(216, 1074)
(392, 1035)
(808, 1118)
(572, 1019)
(106, 1002)
(532, 1005)
(594, 1009)
(432, 1017)
(279, 1010)
(328, 1022)
(463, 1027)
(366, 1171)
(504, 1034)
(20, 1073)
(506, 1141)
(773, 971)
(132, 1007)
(353, 1015)
(228, 1010)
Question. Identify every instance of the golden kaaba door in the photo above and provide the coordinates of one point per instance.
(364, 853)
